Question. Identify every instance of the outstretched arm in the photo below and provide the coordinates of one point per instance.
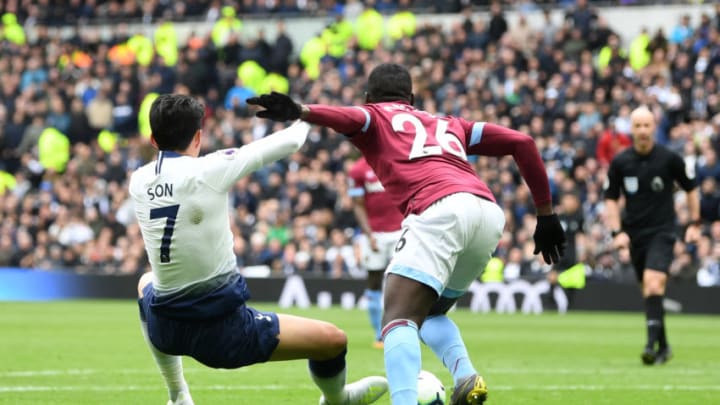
(225, 167)
(345, 120)
(280, 107)
(496, 140)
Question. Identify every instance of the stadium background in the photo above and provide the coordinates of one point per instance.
(77, 81)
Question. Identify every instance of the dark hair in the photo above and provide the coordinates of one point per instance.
(174, 120)
(389, 82)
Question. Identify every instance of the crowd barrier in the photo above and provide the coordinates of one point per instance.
(517, 296)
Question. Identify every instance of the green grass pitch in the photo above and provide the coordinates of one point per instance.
(92, 352)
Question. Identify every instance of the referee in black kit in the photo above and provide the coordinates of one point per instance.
(645, 175)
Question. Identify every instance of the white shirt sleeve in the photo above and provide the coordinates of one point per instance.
(223, 168)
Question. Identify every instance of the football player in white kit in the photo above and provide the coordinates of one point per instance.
(193, 301)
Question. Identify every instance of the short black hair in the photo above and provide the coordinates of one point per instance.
(174, 120)
(389, 82)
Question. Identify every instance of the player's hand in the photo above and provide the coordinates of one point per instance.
(692, 233)
(549, 238)
(373, 243)
(278, 107)
(621, 241)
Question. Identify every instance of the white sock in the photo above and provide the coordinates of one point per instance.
(560, 299)
(170, 367)
(333, 388)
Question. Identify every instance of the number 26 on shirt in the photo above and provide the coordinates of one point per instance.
(446, 142)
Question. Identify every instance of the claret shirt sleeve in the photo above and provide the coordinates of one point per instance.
(345, 120)
(488, 139)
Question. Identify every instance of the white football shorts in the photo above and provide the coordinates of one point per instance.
(449, 244)
(378, 260)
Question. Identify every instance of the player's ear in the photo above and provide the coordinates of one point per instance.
(197, 138)
(154, 142)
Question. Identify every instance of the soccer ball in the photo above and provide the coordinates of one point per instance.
(431, 390)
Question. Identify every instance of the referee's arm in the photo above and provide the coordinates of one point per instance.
(685, 176)
(612, 208)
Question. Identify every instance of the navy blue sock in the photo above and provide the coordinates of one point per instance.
(329, 376)
(328, 368)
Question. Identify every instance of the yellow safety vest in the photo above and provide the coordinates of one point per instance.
(7, 182)
(53, 149)
(311, 54)
(639, 55)
(493, 271)
(166, 43)
(144, 115)
(369, 28)
(402, 24)
(143, 49)
(574, 277)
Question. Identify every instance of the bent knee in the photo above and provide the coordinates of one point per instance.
(335, 340)
(144, 281)
(654, 283)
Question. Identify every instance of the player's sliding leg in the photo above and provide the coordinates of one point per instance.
(374, 303)
(654, 291)
(325, 346)
(407, 302)
(170, 366)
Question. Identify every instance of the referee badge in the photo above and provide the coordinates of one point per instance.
(631, 184)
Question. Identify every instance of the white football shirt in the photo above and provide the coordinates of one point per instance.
(181, 204)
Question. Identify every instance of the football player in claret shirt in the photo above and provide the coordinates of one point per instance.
(452, 224)
(193, 302)
(380, 222)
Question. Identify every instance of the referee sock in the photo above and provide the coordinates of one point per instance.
(170, 367)
(662, 339)
(654, 314)
(442, 335)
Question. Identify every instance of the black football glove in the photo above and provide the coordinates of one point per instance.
(278, 107)
(549, 238)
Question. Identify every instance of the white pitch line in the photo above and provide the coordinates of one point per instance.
(574, 371)
(38, 373)
(89, 371)
(643, 387)
(646, 387)
(488, 371)
(125, 388)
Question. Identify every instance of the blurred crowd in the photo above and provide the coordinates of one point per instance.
(569, 82)
(54, 13)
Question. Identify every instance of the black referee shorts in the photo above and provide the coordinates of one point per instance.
(654, 252)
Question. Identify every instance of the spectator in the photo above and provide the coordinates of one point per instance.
(537, 79)
(610, 144)
(682, 30)
(498, 25)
